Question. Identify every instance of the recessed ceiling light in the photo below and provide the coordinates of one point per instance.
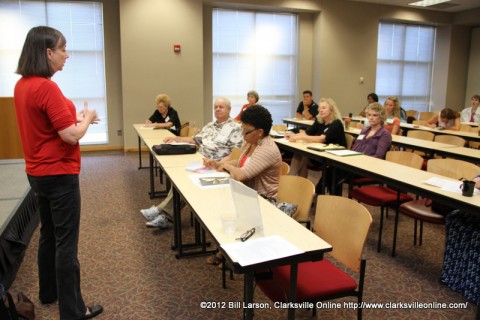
(427, 3)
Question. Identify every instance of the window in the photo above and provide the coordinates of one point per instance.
(405, 64)
(83, 77)
(256, 51)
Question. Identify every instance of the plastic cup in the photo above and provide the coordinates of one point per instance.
(229, 223)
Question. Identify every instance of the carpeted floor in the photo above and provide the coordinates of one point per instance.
(132, 271)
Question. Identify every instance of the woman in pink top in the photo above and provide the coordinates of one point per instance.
(260, 161)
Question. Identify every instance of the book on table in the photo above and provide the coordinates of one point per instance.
(325, 147)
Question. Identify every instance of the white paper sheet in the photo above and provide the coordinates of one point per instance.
(259, 250)
(344, 153)
(436, 182)
(198, 166)
(448, 185)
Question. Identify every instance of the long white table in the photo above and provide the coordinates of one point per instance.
(400, 177)
(432, 147)
(207, 206)
(151, 137)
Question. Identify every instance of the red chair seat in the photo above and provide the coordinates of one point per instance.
(418, 210)
(363, 181)
(314, 280)
(377, 196)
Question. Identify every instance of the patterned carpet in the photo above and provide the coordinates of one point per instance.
(132, 271)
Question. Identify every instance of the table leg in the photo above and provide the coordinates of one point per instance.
(248, 295)
(177, 223)
(139, 153)
(293, 289)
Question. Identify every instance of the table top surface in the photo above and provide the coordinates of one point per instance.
(408, 176)
(208, 203)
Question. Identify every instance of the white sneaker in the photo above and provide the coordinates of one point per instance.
(150, 213)
(159, 222)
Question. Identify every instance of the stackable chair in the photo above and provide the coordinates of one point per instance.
(421, 210)
(383, 196)
(299, 191)
(285, 169)
(344, 224)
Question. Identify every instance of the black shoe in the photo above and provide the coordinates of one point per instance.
(94, 311)
(50, 301)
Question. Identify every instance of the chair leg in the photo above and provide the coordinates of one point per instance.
(395, 232)
(421, 233)
(380, 229)
(224, 273)
(415, 233)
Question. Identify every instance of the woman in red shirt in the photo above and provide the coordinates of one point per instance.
(50, 129)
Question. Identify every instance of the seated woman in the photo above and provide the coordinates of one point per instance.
(446, 119)
(372, 141)
(327, 128)
(472, 114)
(392, 115)
(252, 97)
(371, 98)
(260, 161)
(165, 117)
(375, 140)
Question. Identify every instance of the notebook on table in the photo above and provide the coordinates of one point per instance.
(325, 147)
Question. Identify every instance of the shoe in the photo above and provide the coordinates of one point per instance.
(49, 301)
(215, 260)
(94, 311)
(150, 213)
(159, 222)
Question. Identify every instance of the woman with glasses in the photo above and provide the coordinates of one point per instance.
(260, 161)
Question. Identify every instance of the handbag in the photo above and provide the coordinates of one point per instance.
(168, 149)
(15, 306)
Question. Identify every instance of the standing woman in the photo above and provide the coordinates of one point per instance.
(50, 130)
(165, 117)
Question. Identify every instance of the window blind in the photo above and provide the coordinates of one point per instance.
(83, 77)
(405, 64)
(256, 51)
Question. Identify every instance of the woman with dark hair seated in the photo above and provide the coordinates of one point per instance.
(446, 119)
(260, 161)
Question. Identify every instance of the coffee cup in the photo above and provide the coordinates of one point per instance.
(467, 188)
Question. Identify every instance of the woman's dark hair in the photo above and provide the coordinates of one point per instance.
(373, 96)
(449, 114)
(258, 117)
(33, 59)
